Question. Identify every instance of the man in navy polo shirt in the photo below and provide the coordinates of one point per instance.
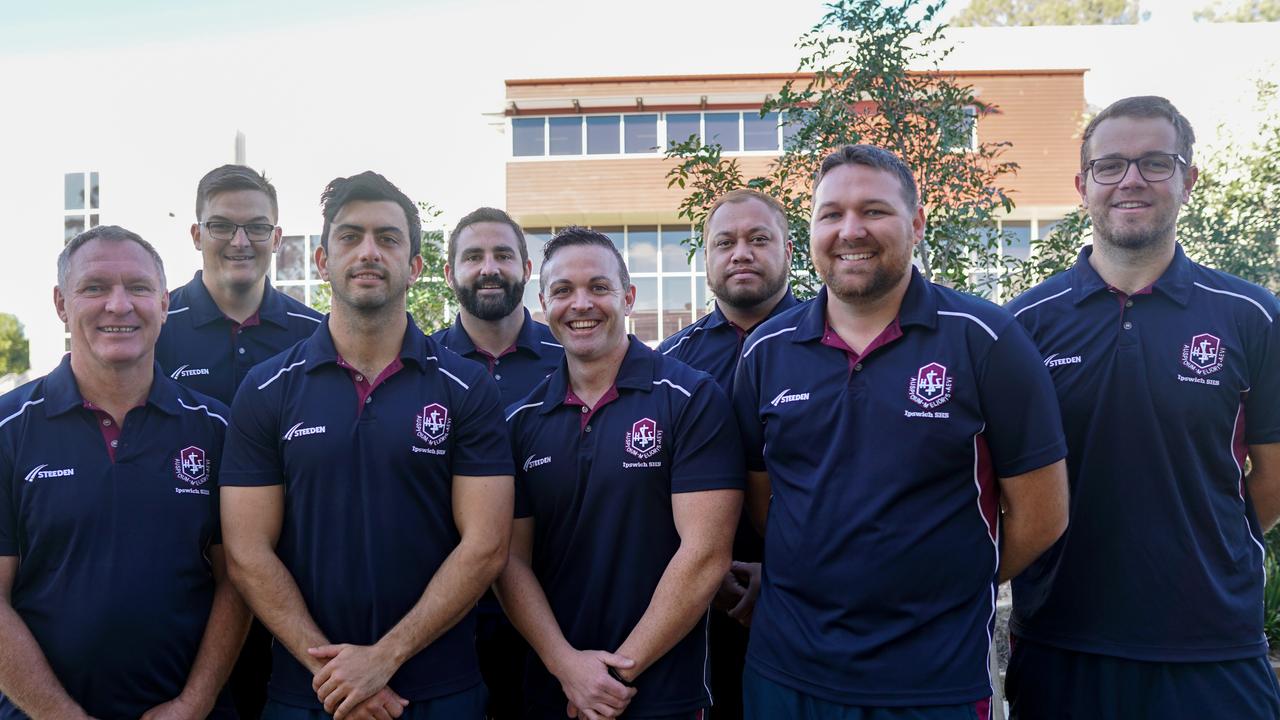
(629, 485)
(229, 318)
(1169, 378)
(748, 255)
(886, 424)
(114, 598)
(368, 488)
(488, 266)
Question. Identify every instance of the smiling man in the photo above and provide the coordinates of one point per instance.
(488, 266)
(1169, 378)
(748, 253)
(114, 598)
(628, 485)
(885, 424)
(368, 493)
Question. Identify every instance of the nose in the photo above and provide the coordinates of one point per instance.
(1132, 176)
(118, 301)
(240, 238)
(369, 252)
(741, 252)
(852, 227)
(581, 300)
(489, 266)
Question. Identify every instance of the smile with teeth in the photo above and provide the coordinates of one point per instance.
(118, 328)
(1130, 205)
(856, 256)
(583, 324)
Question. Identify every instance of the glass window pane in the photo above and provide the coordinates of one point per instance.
(290, 258)
(675, 254)
(677, 304)
(644, 315)
(93, 220)
(722, 129)
(680, 126)
(616, 235)
(1046, 228)
(1017, 238)
(73, 226)
(602, 135)
(73, 191)
(759, 133)
(311, 258)
(641, 133)
(536, 239)
(566, 135)
(93, 190)
(526, 137)
(702, 304)
(642, 249)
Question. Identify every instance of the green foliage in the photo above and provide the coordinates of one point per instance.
(984, 13)
(862, 92)
(1049, 255)
(1240, 11)
(14, 348)
(429, 298)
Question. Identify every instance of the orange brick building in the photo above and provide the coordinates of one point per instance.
(588, 151)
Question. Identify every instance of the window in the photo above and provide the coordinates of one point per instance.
(759, 133)
(1016, 239)
(294, 269)
(79, 204)
(565, 135)
(642, 249)
(603, 135)
(964, 136)
(681, 125)
(722, 130)
(641, 133)
(527, 136)
(791, 127)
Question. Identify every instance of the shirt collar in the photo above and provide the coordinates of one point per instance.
(1175, 282)
(530, 338)
(415, 347)
(635, 373)
(62, 393)
(205, 310)
(919, 307)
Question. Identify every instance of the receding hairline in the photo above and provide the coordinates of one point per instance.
(545, 281)
(72, 265)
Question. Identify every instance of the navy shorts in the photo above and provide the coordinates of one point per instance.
(1046, 682)
(763, 699)
(466, 705)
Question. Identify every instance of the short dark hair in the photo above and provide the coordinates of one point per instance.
(873, 157)
(113, 233)
(1142, 106)
(368, 186)
(742, 195)
(487, 214)
(229, 178)
(576, 235)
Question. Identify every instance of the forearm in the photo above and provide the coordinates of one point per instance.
(219, 647)
(452, 592)
(271, 592)
(526, 605)
(25, 676)
(1263, 482)
(682, 596)
(1025, 538)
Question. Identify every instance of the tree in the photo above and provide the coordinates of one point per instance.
(429, 298)
(983, 13)
(862, 92)
(1240, 12)
(14, 347)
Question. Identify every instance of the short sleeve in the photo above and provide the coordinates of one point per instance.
(708, 450)
(524, 503)
(8, 503)
(1262, 405)
(1019, 406)
(481, 446)
(251, 455)
(219, 431)
(746, 410)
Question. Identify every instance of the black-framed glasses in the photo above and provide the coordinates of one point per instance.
(223, 230)
(1153, 167)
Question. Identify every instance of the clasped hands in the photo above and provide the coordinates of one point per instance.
(352, 684)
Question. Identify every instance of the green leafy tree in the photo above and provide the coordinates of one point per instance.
(984, 13)
(15, 350)
(861, 91)
(429, 298)
(1240, 12)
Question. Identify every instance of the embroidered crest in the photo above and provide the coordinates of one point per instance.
(191, 467)
(645, 439)
(930, 387)
(433, 424)
(1204, 355)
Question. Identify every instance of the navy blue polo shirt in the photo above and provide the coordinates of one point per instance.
(204, 349)
(712, 344)
(882, 544)
(368, 470)
(535, 355)
(1161, 393)
(598, 485)
(113, 578)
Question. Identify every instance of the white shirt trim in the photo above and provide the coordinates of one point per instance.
(280, 372)
(1246, 298)
(1045, 300)
(766, 337)
(686, 336)
(175, 311)
(522, 407)
(981, 324)
(21, 410)
(205, 408)
(665, 381)
(304, 317)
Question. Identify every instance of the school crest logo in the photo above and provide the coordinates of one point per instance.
(1204, 355)
(930, 387)
(645, 439)
(433, 424)
(191, 467)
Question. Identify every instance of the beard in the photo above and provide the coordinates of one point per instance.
(746, 298)
(1142, 237)
(490, 308)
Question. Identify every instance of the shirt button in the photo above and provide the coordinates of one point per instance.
(368, 400)
(359, 378)
(585, 409)
(115, 443)
(1128, 303)
(241, 351)
(857, 366)
(587, 428)
(497, 362)
(1128, 325)
(497, 377)
(106, 422)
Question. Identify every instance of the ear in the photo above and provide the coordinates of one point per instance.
(276, 237)
(791, 249)
(1189, 177)
(448, 274)
(322, 263)
(528, 269)
(195, 235)
(60, 303)
(1081, 179)
(415, 269)
(629, 299)
(917, 226)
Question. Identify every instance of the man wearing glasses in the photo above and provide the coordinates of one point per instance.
(1168, 375)
(225, 321)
